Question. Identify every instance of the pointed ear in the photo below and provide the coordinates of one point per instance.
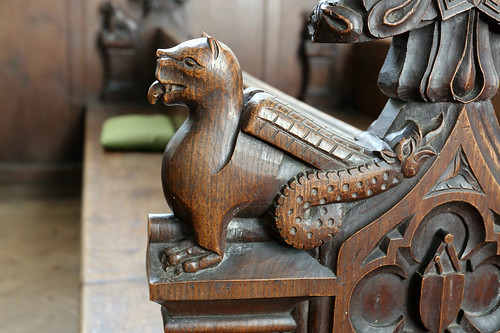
(213, 44)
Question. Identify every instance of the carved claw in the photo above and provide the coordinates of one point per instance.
(206, 261)
(176, 258)
(187, 256)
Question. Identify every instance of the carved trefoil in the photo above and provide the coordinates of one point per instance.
(438, 270)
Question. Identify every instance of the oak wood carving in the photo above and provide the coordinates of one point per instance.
(394, 231)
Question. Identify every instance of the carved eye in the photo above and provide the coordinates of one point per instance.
(406, 149)
(190, 63)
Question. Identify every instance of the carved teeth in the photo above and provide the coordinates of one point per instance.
(170, 87)
(157, 89)
(176, 87)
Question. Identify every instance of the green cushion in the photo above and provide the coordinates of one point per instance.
(137, 132)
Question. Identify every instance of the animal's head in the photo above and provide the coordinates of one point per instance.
(411, 148)
(194, 72)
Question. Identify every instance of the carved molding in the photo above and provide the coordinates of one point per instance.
(457, 176)
(450, 242)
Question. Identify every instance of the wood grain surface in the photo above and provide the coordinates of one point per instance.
(120, 189)
(409, 237)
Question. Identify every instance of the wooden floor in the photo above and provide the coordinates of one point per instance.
(39, 259)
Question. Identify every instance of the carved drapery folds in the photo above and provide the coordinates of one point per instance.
(428, 61)
(453, 68)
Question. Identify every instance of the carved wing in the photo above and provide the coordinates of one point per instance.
(299, 134)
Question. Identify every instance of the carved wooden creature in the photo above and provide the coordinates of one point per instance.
(117, 40)
(212, 172)
(405, 218)
(211, 159)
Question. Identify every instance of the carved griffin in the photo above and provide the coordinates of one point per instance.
(244, 153)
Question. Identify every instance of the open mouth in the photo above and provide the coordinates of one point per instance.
(170, 87)
(157, 89)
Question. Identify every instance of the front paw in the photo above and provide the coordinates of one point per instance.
(187, 256)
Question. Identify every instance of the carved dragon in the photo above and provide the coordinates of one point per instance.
(262, 154)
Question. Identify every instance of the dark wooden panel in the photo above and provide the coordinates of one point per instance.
(264, 35)
(284, 23)
(40, 122)
(239, 24)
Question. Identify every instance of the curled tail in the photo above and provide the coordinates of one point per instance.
(302, 212)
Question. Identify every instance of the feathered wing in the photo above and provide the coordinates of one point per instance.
(299, 134)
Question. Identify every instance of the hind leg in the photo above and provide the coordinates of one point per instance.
(189, 257)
